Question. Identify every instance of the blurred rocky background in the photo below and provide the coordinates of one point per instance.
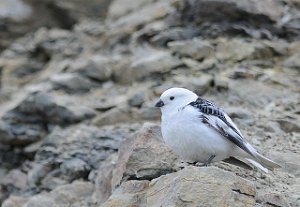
(79, 80)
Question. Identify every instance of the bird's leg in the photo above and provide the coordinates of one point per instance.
(209, 160)
(205, 164)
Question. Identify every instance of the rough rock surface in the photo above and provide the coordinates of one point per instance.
(191, 186)
(79, 80)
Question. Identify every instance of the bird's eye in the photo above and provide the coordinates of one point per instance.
(172, 98)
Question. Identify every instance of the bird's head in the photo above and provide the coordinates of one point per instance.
(175, 98)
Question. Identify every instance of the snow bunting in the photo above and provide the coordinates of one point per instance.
(199, 131)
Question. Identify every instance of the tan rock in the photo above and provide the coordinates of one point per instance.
(192, 186)
(144, 157)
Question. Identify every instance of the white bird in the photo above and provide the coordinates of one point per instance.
(199, 131)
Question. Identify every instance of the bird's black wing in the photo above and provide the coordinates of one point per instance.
(223, 127)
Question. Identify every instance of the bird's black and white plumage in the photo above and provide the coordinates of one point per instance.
(199, 131)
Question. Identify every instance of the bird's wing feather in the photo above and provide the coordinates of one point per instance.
(217, 119)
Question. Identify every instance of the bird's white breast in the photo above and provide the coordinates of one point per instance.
(191, 139)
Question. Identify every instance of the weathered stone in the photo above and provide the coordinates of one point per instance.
(129, 23)
(96, 68)
(103, 182)
(125, 114)
(20, 133)
(14, 201)
(29, 120)
(198, 84)
(238, 49)
(75, 168)
(137, 100)
(71, 83)
(156, 62)
(19, 71)
(273, 199)
(130, 193)
(293, 61)
(72, 153)
(41, 200)
(173, 34)
(195, 48)
(289, 126)
(192, 186)
(221, 83)
(254, 18)
(14, 178)
(120, 8)
(65, 195)
(51, 109)
(144, 157)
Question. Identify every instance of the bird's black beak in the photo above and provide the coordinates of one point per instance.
(159, 104)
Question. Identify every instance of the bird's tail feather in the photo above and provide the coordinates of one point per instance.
(261, 161)
(256, 164)
(266, 162)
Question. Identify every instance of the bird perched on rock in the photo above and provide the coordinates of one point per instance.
(199, 131)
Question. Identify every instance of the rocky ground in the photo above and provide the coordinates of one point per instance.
(77, 122)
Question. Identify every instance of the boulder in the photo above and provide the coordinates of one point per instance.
(70, 154)
(253, 18)
(192, 186)
(195, 48)
(74, 194)
(144, 157)
(96, 68)
(72, 83)
(155, 62)
(33, 117)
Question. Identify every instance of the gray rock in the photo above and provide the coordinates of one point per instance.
(289, 126)
(172, 34)
(123, 27)
(65, 195)
(195, 48)
(50, 109)
(14, 201)
(30, 120)
(68, 195)
(191, 186)
(96, 68)
(14, 9)
(273, 199)
(75, 168)
(71, 83)
(293, 61)
(254, 18)
(137, 99)
(103, 181)
(41, 200)
(156, 62)
(12, 183)
(238, 112)
(239, 49)
(77, 10)
(19, 17)
(20, 133)
(120, 8)
(14, 178)
(221, 83)
(198, 84)
(72, 153)
(125, 114)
